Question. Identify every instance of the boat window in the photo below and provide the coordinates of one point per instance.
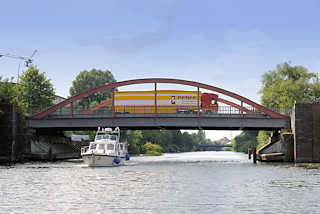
(98, 137)
(101, 146)
(110, 147)
(93, 146)
(113, 137)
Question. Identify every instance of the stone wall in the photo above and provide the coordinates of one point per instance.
(305, 122)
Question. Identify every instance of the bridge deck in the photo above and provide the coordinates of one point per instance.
(168, 121)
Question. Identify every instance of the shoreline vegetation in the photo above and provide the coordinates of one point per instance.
(157, 142)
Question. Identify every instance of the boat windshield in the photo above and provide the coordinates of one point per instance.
(106, 136)
(113, 137)
(93, 146)
(100, 137)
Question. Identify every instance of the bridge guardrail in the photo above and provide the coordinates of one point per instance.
(124, 110)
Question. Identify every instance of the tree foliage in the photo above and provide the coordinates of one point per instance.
(135, 142)
(35, 89)
(152, 149)
(284, 86)
(246, 139)
(87, 80)
(7, 91)
(263, 138)
(288, 84)
(168, 140)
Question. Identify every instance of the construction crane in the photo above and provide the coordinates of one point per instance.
(27, 60)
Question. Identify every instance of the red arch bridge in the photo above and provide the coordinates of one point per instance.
(240, 114)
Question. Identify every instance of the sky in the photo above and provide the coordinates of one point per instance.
(227, 44)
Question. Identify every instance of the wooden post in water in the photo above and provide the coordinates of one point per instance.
(254, 151)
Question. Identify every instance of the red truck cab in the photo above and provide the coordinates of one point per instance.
(209, 103)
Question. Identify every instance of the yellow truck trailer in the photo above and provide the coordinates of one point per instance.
(162, 101)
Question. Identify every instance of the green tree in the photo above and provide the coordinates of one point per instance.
(201, 137)
(246, 139)
(263, 138)
(7, 91)
(288, 84)
(87, 80)
(135, 142)
(152, 149)
(35, 89)
(168, 140)
(284, 86)
(315, 91)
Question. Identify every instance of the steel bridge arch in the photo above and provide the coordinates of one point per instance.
(157, 80)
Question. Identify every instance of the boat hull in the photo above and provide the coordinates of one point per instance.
(93, 160)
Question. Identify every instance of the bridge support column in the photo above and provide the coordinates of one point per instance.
(305, 122)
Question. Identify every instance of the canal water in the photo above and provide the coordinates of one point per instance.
(197, 182)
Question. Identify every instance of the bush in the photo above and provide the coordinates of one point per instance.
(152, 149)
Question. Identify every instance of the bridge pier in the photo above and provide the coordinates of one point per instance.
(305, 122)
(300, 146)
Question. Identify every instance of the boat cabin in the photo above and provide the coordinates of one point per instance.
(107, 143)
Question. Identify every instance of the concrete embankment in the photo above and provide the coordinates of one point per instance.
(52, 148)
(279, 149)
(19, 144)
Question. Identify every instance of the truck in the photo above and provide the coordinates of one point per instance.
(164, 102)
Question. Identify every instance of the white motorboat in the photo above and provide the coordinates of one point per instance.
(106, 149)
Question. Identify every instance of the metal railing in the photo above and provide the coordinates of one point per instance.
(123, 110)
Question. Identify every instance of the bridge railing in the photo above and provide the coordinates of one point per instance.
(123, 110)
(127, 110)
(283, 111)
